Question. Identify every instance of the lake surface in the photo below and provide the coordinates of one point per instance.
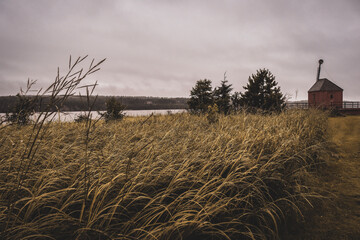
(70, 116)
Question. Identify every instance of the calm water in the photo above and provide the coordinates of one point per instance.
(70, 116)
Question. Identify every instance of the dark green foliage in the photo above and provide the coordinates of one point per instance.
(81, 118)
(201, 97)
(114, 110)
(262, 93)
(222, 96)
(23, 109)
(236, 101)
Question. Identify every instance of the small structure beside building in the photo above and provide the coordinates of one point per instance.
(324, 93)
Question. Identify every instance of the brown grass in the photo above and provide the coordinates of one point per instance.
(167, 177)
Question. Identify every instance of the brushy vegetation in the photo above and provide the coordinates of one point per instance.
(23, 110)
(161, 177)
(114, 110)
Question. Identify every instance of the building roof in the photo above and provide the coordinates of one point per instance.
(324, 84)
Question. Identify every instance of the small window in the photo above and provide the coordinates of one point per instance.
(331, 96)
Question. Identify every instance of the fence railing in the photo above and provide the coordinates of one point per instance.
(297, 105)
(340, 105)
(350, 105)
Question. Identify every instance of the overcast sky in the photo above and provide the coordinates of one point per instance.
(162, 47)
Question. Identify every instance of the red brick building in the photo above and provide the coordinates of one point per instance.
(325, 94)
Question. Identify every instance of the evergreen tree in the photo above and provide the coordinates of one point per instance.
(22, 111)
(114, 110)
(236, 101)
(222, 96)
(201, 97)
(262, 93)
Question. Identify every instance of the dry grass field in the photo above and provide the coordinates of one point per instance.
(163, 177)
(337, 215)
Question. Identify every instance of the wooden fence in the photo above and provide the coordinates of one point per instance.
(344, 105)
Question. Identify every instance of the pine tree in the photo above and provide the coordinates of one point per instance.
(236, 101)
(22, 111)
(222, 96)
(201, 97)
(114, 110)
(262, 93)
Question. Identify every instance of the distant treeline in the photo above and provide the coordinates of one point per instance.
(77, 103)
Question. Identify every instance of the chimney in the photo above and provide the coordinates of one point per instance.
(319, 69)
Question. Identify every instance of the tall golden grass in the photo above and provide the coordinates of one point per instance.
(163, 177)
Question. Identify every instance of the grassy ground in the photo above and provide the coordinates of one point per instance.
(165, 177)
(338, 215)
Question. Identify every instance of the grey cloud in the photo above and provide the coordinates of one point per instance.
(162, 47)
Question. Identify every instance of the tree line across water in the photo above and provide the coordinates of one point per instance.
(79, 103)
